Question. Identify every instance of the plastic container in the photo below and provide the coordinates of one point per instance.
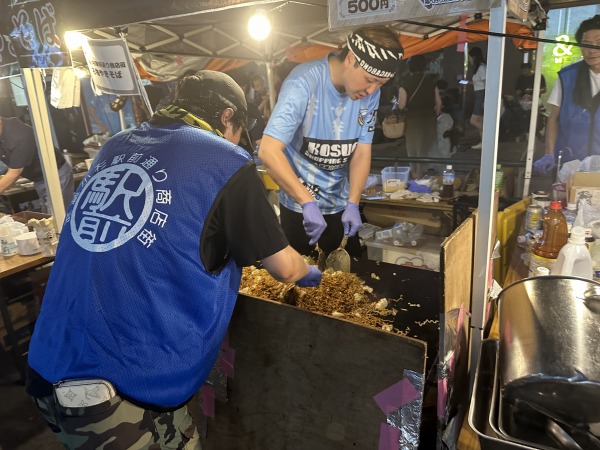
(426, 255)
(574, 258)
(394, 178)
(448, 177)
(555, 235)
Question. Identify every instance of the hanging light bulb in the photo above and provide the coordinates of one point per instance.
(259, 25)
(74, 39)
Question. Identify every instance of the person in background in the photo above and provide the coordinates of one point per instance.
(256, 131)
(573, 125)
(168, 214)
(260, 96)
(478, 63)
(18, 150)
(445, 124)
(524, 95)
(524, 84)
(419, 97)
(441, 86)
(317, 144)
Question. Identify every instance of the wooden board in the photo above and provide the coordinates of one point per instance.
(457, 273)
(306, 381)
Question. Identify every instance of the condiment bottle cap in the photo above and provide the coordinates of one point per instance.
(556, 206)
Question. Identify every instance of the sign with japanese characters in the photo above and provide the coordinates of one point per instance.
(35, 36)
(121, 199)
(110, 66)
(353, 13)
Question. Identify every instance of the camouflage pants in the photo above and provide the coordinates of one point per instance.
(118, 424)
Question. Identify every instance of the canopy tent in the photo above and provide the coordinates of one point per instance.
(423, 39)
(218, 39)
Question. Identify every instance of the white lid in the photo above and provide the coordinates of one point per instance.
(542, 271)
(449, 167)
(577, 235)
(572, 206)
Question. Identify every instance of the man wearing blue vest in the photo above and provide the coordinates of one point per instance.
(573, 126)
(147, 273)
(317, 143)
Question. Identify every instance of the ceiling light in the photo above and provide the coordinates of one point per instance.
(74, 39)
(259, 25)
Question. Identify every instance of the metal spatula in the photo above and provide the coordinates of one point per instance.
(339, 259)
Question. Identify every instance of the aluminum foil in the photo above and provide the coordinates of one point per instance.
(407, 418)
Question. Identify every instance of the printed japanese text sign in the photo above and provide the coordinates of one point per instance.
(353, 13)
(34, 36)
(110, 66)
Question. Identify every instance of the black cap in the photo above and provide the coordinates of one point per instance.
(212, 84)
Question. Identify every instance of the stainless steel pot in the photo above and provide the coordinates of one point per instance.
(549, 340)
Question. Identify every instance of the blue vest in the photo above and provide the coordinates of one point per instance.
(128, 299)
(576, 130)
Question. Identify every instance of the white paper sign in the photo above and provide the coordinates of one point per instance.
(111, 66)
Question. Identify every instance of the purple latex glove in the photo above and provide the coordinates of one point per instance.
(413, 186)
(314, 222)
(311, 279)
(351, 219)
(545, 164)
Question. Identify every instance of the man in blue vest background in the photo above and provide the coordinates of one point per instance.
(147, 273)
(573, 126)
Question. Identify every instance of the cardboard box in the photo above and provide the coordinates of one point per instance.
(425, 255)
(584, 185)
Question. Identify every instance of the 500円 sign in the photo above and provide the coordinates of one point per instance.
(352, 13)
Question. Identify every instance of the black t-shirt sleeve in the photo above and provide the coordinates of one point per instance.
(242, 223)
(21, 144)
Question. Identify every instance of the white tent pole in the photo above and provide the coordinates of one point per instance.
(535, 102)
(271, 84)
(32, 80)
(270, 78)
(487, 179)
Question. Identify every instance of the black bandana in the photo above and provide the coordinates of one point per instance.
(379, 61)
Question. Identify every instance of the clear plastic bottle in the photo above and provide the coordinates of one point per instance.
(574, 258)
(570, 214)
(448, 182)
(546, 251)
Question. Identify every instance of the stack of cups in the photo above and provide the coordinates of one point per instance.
(9, 230)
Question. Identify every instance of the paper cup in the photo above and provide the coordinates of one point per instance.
(27, 244)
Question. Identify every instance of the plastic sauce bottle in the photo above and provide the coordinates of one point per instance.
(546, 251)
(574, 258)
(448, 182)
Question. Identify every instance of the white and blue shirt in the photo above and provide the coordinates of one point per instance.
(321, 128)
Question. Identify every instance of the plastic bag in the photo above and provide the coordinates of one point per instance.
(405, 233)
(586, 215)
(590, 164)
